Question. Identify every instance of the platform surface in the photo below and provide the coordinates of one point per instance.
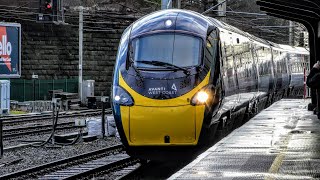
(281, 142)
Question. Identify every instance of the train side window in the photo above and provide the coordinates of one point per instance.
(209, 47)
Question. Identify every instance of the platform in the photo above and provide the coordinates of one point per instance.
(281, 142)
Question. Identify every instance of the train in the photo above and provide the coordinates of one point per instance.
(182, 78)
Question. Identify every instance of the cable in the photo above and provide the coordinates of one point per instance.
(253, 24)
(55, 122)
(20, 7)
(102, 30)
(55, 117)
(90, 28)
(72, 25)
(265, 30)
(151, 2)
(32, 20)
(28, 13)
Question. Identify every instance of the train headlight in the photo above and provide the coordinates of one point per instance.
(202, 96)
(168, 23)
(122, 97)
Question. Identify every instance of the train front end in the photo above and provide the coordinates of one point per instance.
(162, 90)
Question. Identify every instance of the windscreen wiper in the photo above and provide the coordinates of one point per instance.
(135, 69)
(164, 64)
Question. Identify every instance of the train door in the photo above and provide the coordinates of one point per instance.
(255, 65)
(234, 39)
(273, 80)
(285, 72)
(228, 69)
(244, 64)
(251, 69)
(277, 71)
(238, 64)
(213, 56)
(265, 71)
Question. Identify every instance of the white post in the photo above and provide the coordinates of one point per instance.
(222, 8)
(179, 4)
(291, 40)
(319, 29)
(80, 51)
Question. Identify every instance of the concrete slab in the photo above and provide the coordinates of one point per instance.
(281, 142)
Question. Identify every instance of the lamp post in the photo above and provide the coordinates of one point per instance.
(80, 51)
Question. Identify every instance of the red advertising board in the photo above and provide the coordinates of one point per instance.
(10, 50)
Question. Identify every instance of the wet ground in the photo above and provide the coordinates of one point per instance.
(281, 142)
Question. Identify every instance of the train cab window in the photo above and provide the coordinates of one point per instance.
(177, 49)
(211, 47)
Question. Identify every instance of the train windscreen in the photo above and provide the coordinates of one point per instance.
(176, 49)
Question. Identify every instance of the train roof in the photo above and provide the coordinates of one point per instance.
(172, 19)
(225, 26)
(197, 23)
(293, 49)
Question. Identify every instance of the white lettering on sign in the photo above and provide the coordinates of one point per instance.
(174, 87)
(5, 46)
(162, 90)
(157, 89)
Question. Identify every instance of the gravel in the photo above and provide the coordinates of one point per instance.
(41, 136)
(34, 156)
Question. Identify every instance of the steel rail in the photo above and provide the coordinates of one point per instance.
(130, 174)
(82, 157)
(48, 113)
(14, 132)
(113, 165)
(16, 120)
(9, 136)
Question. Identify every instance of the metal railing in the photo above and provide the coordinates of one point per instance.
(31, 90)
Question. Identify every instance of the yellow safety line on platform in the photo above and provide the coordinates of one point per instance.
(279, 159)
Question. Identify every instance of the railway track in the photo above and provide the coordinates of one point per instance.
(14, 120)
(42, 128)
(108, 160)
(16, 126)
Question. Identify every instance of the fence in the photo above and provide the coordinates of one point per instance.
(29, 90)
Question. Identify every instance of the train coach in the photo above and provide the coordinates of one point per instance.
(180, 78)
